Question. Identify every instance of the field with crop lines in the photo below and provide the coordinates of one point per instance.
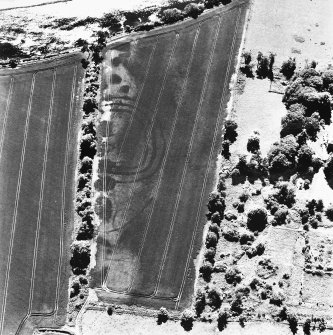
(164, 100)
(39, 117)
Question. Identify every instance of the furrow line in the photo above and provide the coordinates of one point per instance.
(9, 99)
(188, 155)
(18, 189)
(63, 196)
(159, 181)
(226, 83)
(40, 205)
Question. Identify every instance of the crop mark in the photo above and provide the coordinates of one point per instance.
(210, 158)
(18, 189)
(136, 103)
(156, 189)
(188, 156)
(9, 99)
(127, 131)
(63, 196)
(40, 206)
(105, 168)
(131, 192)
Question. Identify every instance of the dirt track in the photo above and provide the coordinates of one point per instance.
(38, 143)
(158, 155)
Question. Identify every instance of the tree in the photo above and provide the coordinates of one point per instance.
(162, 315)
(200, 302)
(110, 21)
(230, 132)
(193, 10)
(237, 305)
(171, 15)
(206, 270)
(222, 319)
(233, 275)
(8, 50)
(262, 66)
(288, 68)
(329, 212)
(225, 149)
(210, 254)
(211, 239)
(292, 123)
(13, 63)
(292, 320)
(328, 169)
(214, 297)
(253, 143)
(257, 219)
(187, 319)
(305, 155)
(80, 259)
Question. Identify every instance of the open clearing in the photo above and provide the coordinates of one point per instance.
(164, 98)
(38, 122)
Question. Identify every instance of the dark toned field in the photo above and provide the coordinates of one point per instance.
(38, 138)
(164, 99)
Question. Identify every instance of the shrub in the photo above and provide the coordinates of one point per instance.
(211, 3)
(307, 184)
(312, 126)
(288, 68)
(221, 184)
(206, 270)
(257, 219)
(8, 50)
(247, 57)
(80, 259)
(109, 310)
(211, 239)
(13, 63)
(280, 215)
(193, 10)
(281, 156)
(86, 231)
(258, 250)
(305, 155)
(328, 169)
(110, 21)
(292, 123)
(222, 319)
(200, 302)
(292, 320)
(230, 132)
(233, 276)
(246, 237)
(240, 207)
(235, 175)
(187, 319)
(75, 289)
(244, 196)
(320, 205)
(216, 203)
(307, 327)
(231, 235)
(171, 15)
(162, 315)
(254, 283)
(327, 78)
(210, 254)
(213, 227)
(285, 194)
(253, 143)
(225, 149)
(263, 69)
(214, 297)
(86, 165)
(329, 212)
(237, 306)
(89, 105)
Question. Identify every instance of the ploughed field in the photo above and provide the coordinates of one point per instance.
(163, 101)
(38, 140)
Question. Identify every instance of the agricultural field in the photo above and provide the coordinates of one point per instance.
(163, 105)
(38, 151)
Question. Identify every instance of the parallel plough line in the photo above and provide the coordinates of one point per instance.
(18, 189)
(63, 202)
(40, 205)
(202, 97)
(131, 192)
(219, 118)
(127, 131)
(166, 154)
(9, 99)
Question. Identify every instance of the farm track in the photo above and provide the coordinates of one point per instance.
(32, 166)
(166, 165)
